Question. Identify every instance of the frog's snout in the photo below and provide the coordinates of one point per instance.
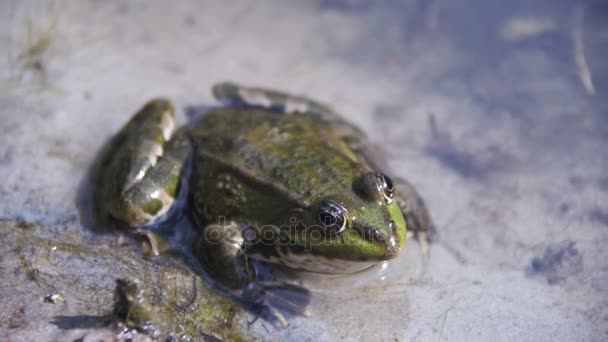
(391, 247)
(383, 237)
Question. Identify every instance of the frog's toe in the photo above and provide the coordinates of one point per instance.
(274, 315)
(424, 241)
(289, 298)
(152, 240)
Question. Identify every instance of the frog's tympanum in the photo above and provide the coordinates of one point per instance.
(269, 178)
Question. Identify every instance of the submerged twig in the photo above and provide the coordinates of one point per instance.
(32, 50)
(38, 40)
(584, 74)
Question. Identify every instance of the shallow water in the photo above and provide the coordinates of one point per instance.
(495, 110)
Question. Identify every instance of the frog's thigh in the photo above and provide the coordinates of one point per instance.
(150, 199)
(144, 177)
(414, 211)
(220, 249)
(232, 93)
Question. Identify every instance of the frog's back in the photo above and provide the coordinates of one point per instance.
(294, 156)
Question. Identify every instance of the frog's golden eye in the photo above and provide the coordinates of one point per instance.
(372, 185)
(387, 186)
(332, 217)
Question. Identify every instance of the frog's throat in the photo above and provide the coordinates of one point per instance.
(317, 263)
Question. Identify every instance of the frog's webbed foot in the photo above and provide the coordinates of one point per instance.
(139, 180)
(416, 215)
(221, 250)
(276, 301)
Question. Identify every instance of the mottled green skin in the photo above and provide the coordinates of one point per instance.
(260, 166)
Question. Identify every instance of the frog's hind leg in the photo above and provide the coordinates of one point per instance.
(231, 93)
(140, 175)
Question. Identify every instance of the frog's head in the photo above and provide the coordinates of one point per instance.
(349, 231)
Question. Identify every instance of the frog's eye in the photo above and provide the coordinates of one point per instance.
(372, 184)
(386, 185)
(332, 217)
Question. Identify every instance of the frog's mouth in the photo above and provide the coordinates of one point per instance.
(321, 264)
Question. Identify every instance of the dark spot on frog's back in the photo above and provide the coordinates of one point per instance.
(557, 263)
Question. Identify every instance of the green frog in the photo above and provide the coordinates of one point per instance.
(269, 178)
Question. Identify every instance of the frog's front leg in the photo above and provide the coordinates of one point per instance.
(140, 173)
(415, 213)
(222, 249)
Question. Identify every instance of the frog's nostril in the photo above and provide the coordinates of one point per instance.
(391, 226)
(372, 234)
